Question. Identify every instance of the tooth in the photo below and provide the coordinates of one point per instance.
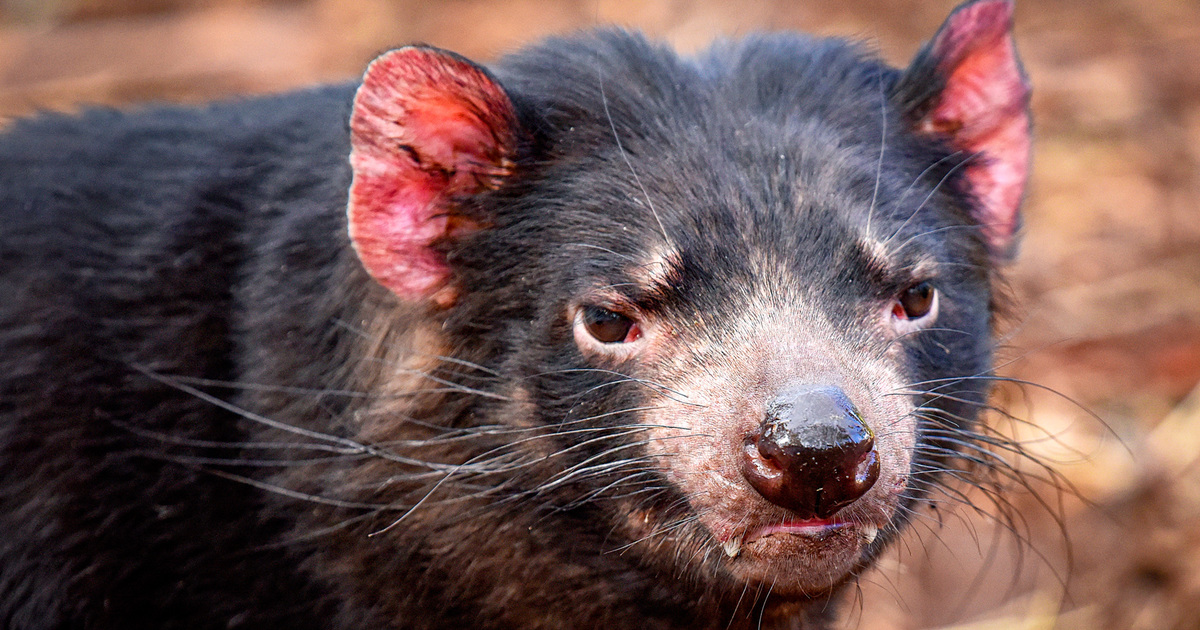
(869, 532)
(733, 546)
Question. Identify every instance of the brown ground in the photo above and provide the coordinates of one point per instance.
(1108, 284)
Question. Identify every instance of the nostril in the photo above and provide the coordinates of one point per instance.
(867, 470)
(813, 454)
(763, 465)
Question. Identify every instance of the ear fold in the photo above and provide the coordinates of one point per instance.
(428, 128)
(967, 87)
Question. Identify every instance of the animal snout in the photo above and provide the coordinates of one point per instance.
(813, 454)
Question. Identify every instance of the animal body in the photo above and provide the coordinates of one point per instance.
(596, 337)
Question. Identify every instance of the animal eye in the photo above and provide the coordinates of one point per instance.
(915, 302)
(609, 327)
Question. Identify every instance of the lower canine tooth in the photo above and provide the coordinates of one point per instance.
(733, 546)
(869, 533)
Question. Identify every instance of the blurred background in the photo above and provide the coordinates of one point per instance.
(1106, 317)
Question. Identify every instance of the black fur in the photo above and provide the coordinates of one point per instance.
(151, 257)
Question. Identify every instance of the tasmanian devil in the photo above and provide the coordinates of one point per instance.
(596, 337)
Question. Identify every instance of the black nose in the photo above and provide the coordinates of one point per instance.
(813, 455)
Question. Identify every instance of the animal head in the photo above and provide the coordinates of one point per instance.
(742, 300)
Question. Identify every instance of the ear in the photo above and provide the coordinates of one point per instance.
(967, 88)
(428, 128)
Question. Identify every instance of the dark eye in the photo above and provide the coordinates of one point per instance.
(915, 302)
(609, 327)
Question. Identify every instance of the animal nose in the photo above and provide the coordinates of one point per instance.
(813, 454)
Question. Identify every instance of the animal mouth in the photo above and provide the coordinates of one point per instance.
(799, 557)
(814, 530)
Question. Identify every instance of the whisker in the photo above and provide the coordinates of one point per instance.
(198, 443)
(303, 496)
(882, 149)
(274, 424)
(935, 189)
(625, 156)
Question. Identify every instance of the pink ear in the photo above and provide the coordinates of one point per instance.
(982, 108)
(428, 128)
